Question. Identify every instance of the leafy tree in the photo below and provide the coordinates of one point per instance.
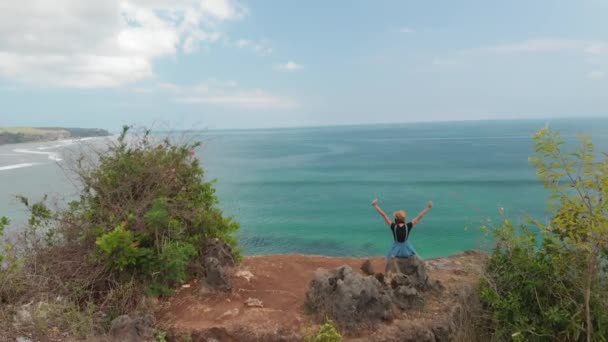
(550, 282)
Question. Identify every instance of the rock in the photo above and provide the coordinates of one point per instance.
(437, 285)
(204, 290)
(244, 274)
(126, 329)
(230, 313)
(400, 279)
(380, 278)
(254, 302)
(413, 268)
(407, 297)
(367, 267)
(348, 298)
(23, 339)
(220, 250)
(215, 275)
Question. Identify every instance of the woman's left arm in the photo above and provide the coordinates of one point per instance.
(417, 219)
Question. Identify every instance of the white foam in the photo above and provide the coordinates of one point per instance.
(16, 166)
(51, 155)
(64, 143)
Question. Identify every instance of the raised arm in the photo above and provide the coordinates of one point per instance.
(381, 212)
(417, 219)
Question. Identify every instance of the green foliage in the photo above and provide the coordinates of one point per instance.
(549, 282)
(154, 195)
(4, 222)
(143, 215)
(160, 336)
(119, 249)
(326, 333)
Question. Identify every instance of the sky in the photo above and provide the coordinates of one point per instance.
(206, 64)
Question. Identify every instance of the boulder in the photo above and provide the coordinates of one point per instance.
(415, 271)
(367, 267)
(220, 250)
(126, 329)
(350, 299)
(215, 276)
(380, 278)
(407, 298)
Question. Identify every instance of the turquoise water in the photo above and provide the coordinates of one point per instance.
(309, 190)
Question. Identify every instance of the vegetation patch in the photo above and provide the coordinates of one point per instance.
(548, 281)
(137, 230)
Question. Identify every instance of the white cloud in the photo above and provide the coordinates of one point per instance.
(592, 53)
(534, 45)
(254, 99)
(75, 43)
(596, 75)
(289, 66)
(225, 94)
(261, 47)
(223, 9)
(586, 47)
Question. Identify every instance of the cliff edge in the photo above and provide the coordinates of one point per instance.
(267, 302)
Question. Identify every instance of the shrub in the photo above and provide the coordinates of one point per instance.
(548, 282)
(139, 226)
(326, 333)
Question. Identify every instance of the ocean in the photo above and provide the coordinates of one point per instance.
(308, 190)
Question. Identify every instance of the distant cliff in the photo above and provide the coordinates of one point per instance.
(15, 135)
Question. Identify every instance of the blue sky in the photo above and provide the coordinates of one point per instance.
(243, 64)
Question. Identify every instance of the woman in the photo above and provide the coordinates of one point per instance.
(401, 231)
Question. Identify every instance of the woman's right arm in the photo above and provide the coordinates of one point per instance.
(381, 212)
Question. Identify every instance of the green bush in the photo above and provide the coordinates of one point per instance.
(138, 227)
(326, 333)
(148, 210)
(547, 282)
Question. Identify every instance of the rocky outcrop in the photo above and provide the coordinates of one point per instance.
(218, 258)
(352, 300)
(220, 250)
(127, 329)
(216, 277)
(414, 270)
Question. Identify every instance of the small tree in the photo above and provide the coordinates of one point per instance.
(555, 287)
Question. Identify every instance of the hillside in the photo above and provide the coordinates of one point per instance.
(15, 135)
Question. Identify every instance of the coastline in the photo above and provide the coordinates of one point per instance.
(18, 135)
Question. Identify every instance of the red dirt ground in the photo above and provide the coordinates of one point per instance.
(281, 282)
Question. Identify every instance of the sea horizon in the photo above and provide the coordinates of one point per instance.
(308, 190)
(372, 124)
